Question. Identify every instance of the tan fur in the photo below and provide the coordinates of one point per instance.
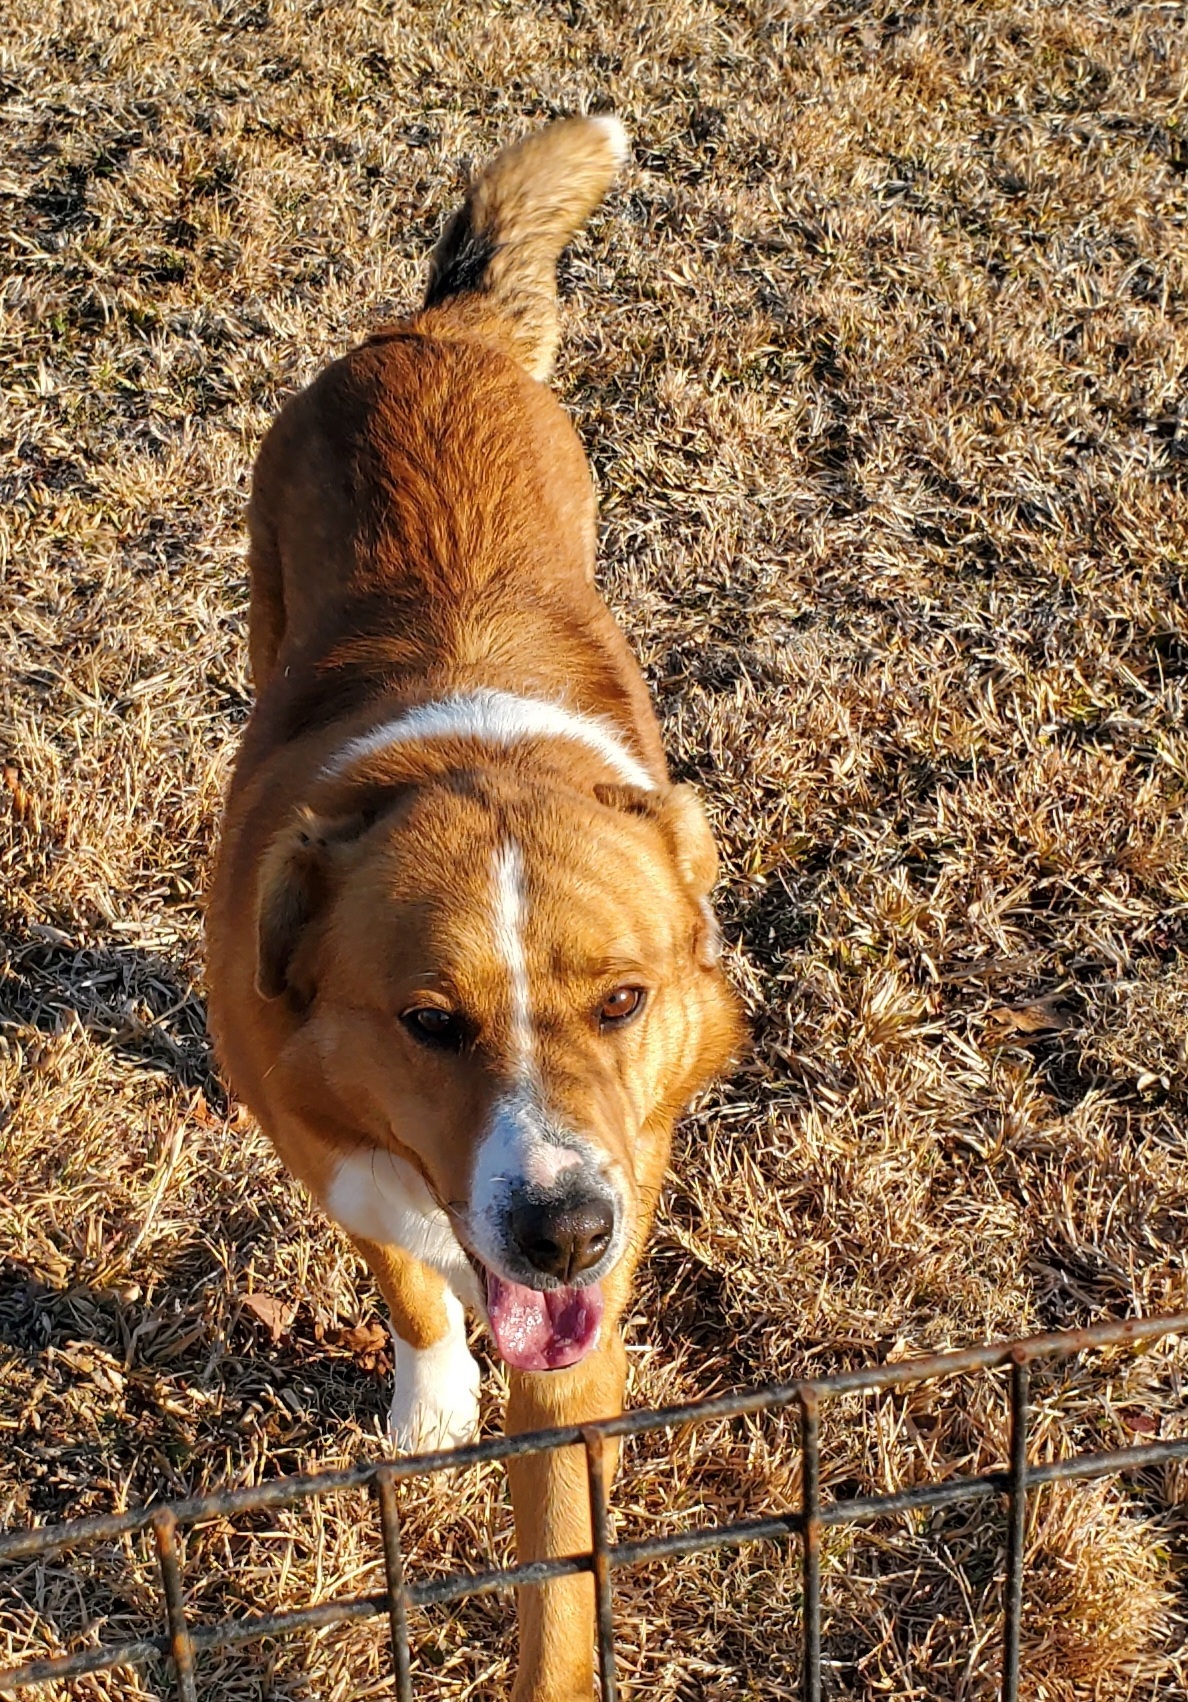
(497, 257)
(422, 523)
(413, 1292)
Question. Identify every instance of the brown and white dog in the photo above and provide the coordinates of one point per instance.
(462, 962)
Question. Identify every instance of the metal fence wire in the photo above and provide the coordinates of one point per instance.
(184, 1641)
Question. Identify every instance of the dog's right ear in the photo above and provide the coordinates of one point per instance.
(295, 881)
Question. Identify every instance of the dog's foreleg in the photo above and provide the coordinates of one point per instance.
(551, 1500)
(435, 1399)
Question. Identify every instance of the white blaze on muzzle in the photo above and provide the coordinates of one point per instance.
(507, 880)
(538, 1322)
(517, 1152)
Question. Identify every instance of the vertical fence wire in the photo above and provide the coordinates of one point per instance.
(165, 1536)
(1012, 1588)
(600, 1531)
(810, 1440)
(165, 1521)
(385, 1491)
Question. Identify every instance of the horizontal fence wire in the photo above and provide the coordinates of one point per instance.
(182, 1641)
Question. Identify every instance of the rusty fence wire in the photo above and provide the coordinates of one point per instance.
(183, 1642)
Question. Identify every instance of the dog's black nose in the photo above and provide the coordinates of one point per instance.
(562, 1240)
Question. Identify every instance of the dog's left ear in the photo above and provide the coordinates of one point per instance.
(295, 883)
(678, 813)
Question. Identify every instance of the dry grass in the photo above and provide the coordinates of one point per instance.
(880, 353)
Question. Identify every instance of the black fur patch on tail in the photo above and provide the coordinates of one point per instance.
(461, 264)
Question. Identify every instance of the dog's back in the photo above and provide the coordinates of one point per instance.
(427, 486)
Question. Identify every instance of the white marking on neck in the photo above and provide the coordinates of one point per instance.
(507, 881)
(496, 718)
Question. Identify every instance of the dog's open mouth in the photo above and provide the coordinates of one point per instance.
(545, 1330)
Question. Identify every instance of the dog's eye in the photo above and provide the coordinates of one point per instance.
(620, 1006)
(443, 1030)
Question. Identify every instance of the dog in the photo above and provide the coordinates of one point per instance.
(462, 962)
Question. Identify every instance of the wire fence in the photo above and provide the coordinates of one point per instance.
(183, 1641)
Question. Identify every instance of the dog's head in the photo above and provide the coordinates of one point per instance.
(514, 987)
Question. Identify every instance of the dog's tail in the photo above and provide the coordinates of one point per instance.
(495, 266)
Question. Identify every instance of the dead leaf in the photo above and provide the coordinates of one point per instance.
(94, 1363)
(1038, 1016)
(368, 1345)
(365, 1338)
(1146, 1423)
(276, 1315)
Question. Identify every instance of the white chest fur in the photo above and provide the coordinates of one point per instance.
(378, 1196)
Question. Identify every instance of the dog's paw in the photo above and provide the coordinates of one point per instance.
(435, 1403)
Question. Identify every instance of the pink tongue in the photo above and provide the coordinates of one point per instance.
(537, 1331)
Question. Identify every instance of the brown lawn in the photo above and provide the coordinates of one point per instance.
(879, 349)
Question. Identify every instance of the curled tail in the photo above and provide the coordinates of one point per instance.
(495, 267)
